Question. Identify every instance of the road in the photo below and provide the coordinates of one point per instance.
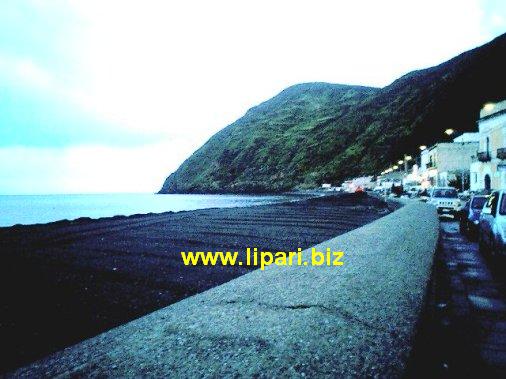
(463, 332)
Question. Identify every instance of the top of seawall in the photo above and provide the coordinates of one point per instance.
(357, 319)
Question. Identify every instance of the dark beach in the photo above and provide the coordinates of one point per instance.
(66, 281)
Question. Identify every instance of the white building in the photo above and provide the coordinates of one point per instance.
(467, 137)
(445, 163)
(488, 169)
(363, 182)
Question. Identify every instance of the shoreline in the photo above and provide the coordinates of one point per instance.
(125, 212)
(70, 280)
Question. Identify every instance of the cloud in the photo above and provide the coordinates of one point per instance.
(89, 168)
(498, 21)
(24, 71)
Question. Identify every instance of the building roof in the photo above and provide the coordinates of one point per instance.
(493, 109)
(451, 145)
(467, 137)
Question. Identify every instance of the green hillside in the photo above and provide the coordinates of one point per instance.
(318, 132)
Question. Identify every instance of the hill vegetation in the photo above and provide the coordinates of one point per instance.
(318, 132)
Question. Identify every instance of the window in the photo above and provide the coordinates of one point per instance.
(446, 192)
(502, 209)
(492, 203)
(489, 200)
(478, 202)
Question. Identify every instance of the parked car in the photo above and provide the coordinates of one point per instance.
(413, 192)
(492, 226)
(469, 219)
(446, 200)
(466, 194)
(424, 195)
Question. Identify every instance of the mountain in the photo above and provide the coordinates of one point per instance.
(318, 132)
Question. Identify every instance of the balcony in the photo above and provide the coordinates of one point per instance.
(430, 164)
(501, 153)
(483, 156)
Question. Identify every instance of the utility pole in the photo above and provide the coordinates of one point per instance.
(407, 158)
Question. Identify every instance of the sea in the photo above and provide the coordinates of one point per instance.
(36, 209)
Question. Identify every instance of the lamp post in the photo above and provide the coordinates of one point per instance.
(450, 134)
(407, 158)
(404, 162)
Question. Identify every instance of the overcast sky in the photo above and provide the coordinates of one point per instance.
(111, 96)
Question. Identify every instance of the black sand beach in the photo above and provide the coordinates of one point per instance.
(66, 281)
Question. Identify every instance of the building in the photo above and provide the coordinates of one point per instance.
(447, 163)
(488, 169)
(468, 137)
(363, 182)
(386, 181)
(413, 178)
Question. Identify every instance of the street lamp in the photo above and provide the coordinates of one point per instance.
(489, 106)
(407, 158)
(423, 147)
(449, 132)
(395, 167)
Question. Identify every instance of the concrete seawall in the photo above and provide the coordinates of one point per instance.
(357, 319)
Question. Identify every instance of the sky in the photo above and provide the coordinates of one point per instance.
(112, 96)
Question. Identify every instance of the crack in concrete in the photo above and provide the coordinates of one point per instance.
(332, 310)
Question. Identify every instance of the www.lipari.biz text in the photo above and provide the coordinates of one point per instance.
(254, 257)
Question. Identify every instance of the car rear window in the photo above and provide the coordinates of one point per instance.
(478, 202)
(502, 208)
(447, 193)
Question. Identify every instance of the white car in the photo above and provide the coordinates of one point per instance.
(492, 227)
(446, 200)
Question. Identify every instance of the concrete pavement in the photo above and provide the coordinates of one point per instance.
(464, 333)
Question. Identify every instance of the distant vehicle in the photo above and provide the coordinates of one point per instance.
(492, 226)
(469, 219)
(465, 195)
(446, 200)
(397, 190)
(424, 195)
(413, 192)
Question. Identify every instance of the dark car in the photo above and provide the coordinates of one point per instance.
(470, 215)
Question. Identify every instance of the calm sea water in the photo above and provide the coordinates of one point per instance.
(34, 209)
